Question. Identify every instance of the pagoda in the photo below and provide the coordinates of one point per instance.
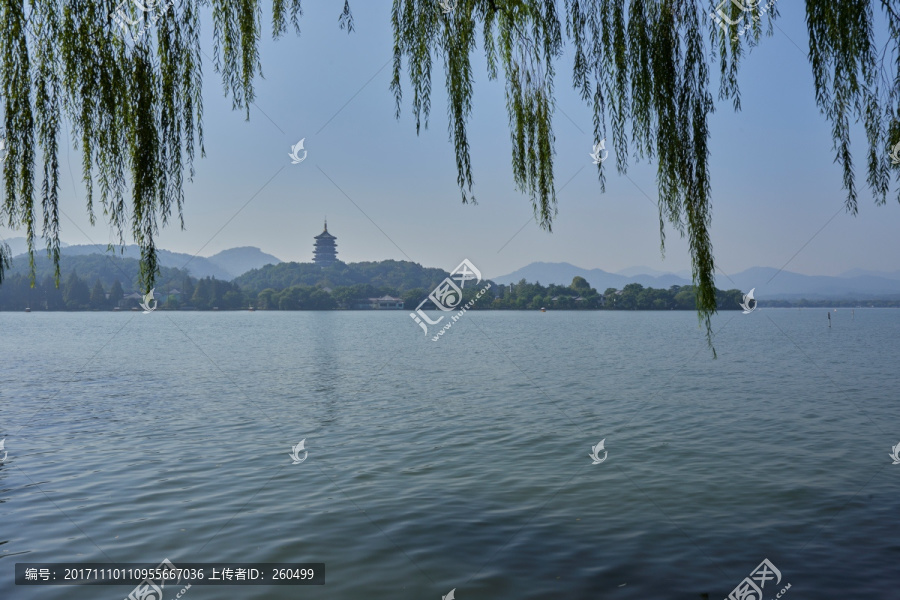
(325, 250)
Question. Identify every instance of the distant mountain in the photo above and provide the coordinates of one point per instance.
(18, 245)
(563, 273)
(197, 266)
(630, 271)
(863, 272)
(91, 267)
(769, 282)
(237, 261)
(225, 265)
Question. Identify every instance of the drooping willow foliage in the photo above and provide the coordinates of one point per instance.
(131, 98)
(644, 66)
(125, 76)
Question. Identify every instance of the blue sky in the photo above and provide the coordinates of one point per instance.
(388, 193)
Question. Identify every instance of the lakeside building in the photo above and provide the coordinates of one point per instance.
(325, 249)
(383, 303)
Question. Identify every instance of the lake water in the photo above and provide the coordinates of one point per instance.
(461, 463)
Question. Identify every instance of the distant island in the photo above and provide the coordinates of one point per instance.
(101, 282)
(244, 278)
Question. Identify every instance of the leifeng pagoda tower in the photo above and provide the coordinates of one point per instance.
(325, 250)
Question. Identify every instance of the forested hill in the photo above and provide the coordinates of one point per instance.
(108, 268)
(400, 275)
(226, 265)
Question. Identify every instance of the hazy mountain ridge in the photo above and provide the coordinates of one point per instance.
(226, 265)
(563, 273)
(632, 271)
(863, 272)
(18, 245)
(770, 283)
(240, 260)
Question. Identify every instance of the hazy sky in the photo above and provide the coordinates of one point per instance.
(388, 193)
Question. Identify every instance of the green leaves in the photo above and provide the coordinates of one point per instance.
(128, 84)
(646, 63)
(643, 63)
(132, 97)
(852, 85)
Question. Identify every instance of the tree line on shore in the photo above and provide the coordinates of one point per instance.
(109, 283)
(76, 293)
